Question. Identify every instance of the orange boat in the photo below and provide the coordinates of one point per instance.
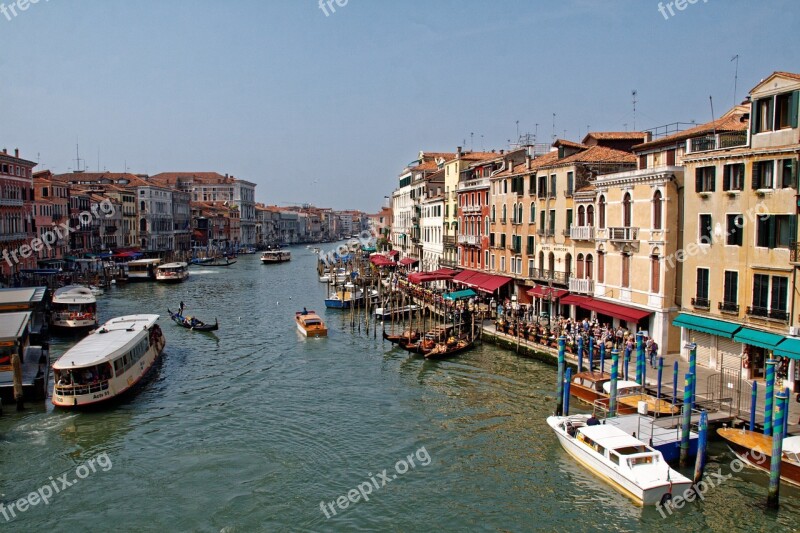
(310, 324)
(755, 449)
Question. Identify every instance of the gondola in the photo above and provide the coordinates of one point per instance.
(402, 340)
(193, 323)
(218, 264)
(442, 350)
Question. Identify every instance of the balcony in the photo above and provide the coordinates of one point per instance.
(57, 217)
(581, 233)
(728, 307)
(773, 314)
(471, 209)
(701, 303)
(11, 202)
(8, 237)
(541, 274)
(794, 253)
(469, 240)
(623, 234)
(111, 229)
(716, 142)
(480, 183)
(583, 286)
(448, 263)
(449, 240)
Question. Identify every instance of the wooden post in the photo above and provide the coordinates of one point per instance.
(562, 342)
(702, 442)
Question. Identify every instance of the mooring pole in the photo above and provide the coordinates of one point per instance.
(566, 391)
(686, 419)
(770, 395)
(702, 443)
(612, 402)
(777, 451)
(562, 343)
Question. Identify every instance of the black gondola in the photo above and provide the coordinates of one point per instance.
(193, 323)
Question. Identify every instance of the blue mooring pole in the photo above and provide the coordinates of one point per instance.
(693, 369)
(562, 343)
(786, 413)
(566, 391)
(702, 443)
(658, 386)
(691, 390)
(612, 402)
(770, 395)
(580, 353)
(777, 451)
(591, 354)
(753, 402)
(602, 357)
(674, 384)
(686, 419)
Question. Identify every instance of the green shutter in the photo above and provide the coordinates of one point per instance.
(698, 181)
(793, 108)
(771, 232)
(713, 179)
(756, 176)
(754, 117)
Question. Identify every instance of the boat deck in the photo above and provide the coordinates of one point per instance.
(658, 431)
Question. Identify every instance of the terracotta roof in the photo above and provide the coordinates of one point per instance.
(113, 177)
(615, 135)
(594, 154)
(569, 144)
(733, 120)
(171, 178)
(438, 155)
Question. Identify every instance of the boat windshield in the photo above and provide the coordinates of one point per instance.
(630, 450)
(312, 322)
(643, 460)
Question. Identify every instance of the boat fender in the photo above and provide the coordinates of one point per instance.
(665, 498)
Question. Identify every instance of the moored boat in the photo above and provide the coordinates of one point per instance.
(344, 299)
(451, 348)
(172, 272)
(630, 393)
(108, 363)
(74, 307)
(389, 313)
(755, 449)
(626, 463)
(32, 362)
(310, 324)
(276, 256)
(143, 269)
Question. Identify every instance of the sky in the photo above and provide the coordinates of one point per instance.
(328, 106)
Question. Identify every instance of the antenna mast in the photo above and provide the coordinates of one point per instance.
(735, 77)
(633, 93)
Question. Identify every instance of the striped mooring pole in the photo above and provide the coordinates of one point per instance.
(612, 402)
(562, 344)
(770, 395)
(567, 381)
(753, 402)
(686, 419)
(702, 443)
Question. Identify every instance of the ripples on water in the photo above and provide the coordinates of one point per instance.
(249, 429)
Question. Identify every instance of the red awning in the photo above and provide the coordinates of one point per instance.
(394, 253)
(492, 283)
(542, 291)
(380, 260)
(464, 276)
(406, 261)
(422, 277)
(476, 280)
(628, 314)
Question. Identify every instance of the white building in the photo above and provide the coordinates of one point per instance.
(432, 226)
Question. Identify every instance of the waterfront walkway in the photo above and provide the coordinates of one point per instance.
(738, 408)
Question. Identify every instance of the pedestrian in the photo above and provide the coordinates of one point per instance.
(654, 354)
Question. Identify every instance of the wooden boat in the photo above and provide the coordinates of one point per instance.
(755, 449)
(190, 322)
(108, 363)
(403, 339)
(310, 324)
(219, 263)
(630, 393)
(626, 463)
(449, 349)
(275, 256)
(74, 308)
(344, 299)
(172, 272)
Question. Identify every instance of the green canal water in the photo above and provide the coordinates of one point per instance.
(252, 428)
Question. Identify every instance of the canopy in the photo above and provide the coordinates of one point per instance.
(460, 295)
(548, 293)
(381, 261)
(706, 325)
(422, 277)
(628, 314)
(761, 339)
(492, 283)
(394, 253)
(790, 347)
(407, 261)
(465, 275)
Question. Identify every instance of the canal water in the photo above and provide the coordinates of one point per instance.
(252, 428)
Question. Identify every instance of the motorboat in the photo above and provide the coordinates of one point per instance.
(143, 269)
(276, 256)
(755, 449)
(109, 363)
(310, 324)
(624, 462)
(344, 299)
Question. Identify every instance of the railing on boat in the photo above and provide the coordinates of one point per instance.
(79, 390)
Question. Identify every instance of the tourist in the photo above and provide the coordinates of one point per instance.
(654, 354)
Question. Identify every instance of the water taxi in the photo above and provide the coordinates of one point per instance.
(275, 256)
(626, 463)
(32, 363)
(310, 324)
(143, 269)
(630, 393)
(108, 363)
(755, 449)
(172, 272)
(74, 307)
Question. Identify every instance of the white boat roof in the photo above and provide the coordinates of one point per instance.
(144, 261)
(22, 295)
(112, 339)
(610, 437)
(620, 385)
(12, 325)
(169, 266)
(791, 444)
(74, 294)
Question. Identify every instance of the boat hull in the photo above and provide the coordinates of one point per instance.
(761, 458)
(312, 333)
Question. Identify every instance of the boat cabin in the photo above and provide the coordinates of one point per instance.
(15, 340)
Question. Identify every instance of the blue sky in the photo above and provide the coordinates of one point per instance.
(328, 109)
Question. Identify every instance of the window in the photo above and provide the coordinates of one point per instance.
(542, 191)
(502, 263)
(778, 298)
(570, 182)
(580, 264)
(486, 257)
(770, 297)
(763, 175)
(491, 240)
(494, 213)
(760, 295)
(786, 111)
(569, 219)
(735, 230)
(657, 209)
(502, 240)
(590, 215)
(542, 214)
(533, 213)
(762, 119)
(505, 212)
(733, 177)
(589, 266)
(552, 229)
(552, 186)
(705, 179)
(788, 170)
(775, 231)
(581, 216)
(706, 229)
(602, 212)
(626, 270)
(529, 249)
(701, 298)
(655, 274)
(601, 267)
(730, 292)
(532, 184)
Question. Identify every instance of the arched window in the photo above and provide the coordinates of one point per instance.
(143, 225)
(533, 213)
(581, 216)
(494, 214)
(602, 212)
(580, 267)
(626, 210)
(141, 206)
(657, 208)
(589, 267)
(626, 270)
(551, 259)
(568, 265)
(590, 215)
(655, 272)
(601, 266)
(520, 213)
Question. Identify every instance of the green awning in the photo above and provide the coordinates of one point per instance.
(706, 325)
(790, 347)
(761, 339)
(460, 295)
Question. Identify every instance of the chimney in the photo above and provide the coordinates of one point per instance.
(5, 151)
(458, 152)
(16, 153)
(648, 136)
(527, 161)
(502, 152)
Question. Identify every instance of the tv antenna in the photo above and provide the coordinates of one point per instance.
(78, 159)
(633, 93)
(735, 77)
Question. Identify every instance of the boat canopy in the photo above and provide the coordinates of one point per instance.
(621, 385)
(114, 338)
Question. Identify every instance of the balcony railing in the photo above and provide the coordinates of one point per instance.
(715, 142)
(581, 233)
(541, 274)
(584, 286)
(473, 184)
(763, 312)
(471, 209)
(728, 307)
(7, 237)
(701, 303)
(449, 240)
(623, 234)
(469, 240)
(11, 202)
(794, 252)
